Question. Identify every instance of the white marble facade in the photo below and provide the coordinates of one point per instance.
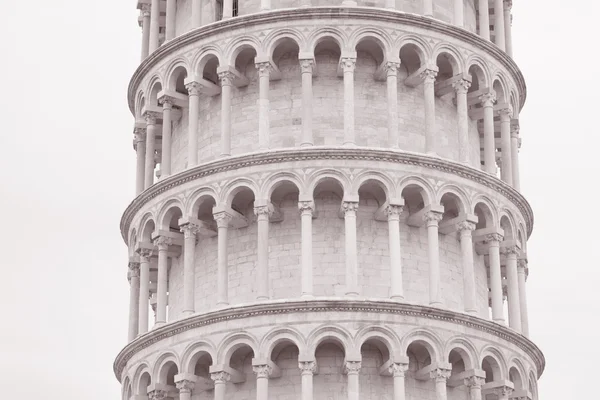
(327, 204)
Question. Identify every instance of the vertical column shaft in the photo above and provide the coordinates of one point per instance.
(264, 69)
(196, 13)
(489, 144)
(193, 89)
(499, 34)
(522, 272)
(484, 19)
(348, 65)
(350, 209)
(390, 4)
(307, 369)
(220, 379)
(507, 174)
(461, 88)
(134, 298)
(170, 20)
(432, 220)
(162, 279)
(352, 369)
(440, 377)
(508, 26)
(140, 152)
(459, 13)
(223, 220)
(226, 78)
(185, 388)
(398, 371)
(306, 211)
(189, 269)
(428, 8)
(265, 5)
(514, 306)
(428, 77)
(154, 25)
(165, 163)
(262, 221)
(466, 246)
(306, 68)
(262, 381)
(150, 149)
(145, 30)
(496, 277)
(392, 94)
(474, 383)
(397, 290)
(227, 9)
(144, 290)
(514, 154)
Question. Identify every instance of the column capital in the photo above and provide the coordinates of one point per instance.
(139, 134)
(432, 218)
(508, 4)
(185, 386)
(263, 210)
(226, 78)
(394, 211)
(510, 251)
(440, 374)
(307, 65)
(223, 219)
(474, 382)
(166, 101)
(493, 239)
(158, 394)
(306, 207)
(145, 9)
(461, 86)
(262, 371)
(398, 369)
(349, 206)
(264, 68)
(502, 391)
(352, 367)
(145, 254)
(189, 230)
(163, 242)
(488, 99)
(428, 75)
(465, 226)
(193, 88)
(151, 117)
(348, 64)
(220, 376)
(391, 68)
(522, 267)
(506, 113)
(307, 367)
(133, 270)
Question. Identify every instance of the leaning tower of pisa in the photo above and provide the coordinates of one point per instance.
(327, 203)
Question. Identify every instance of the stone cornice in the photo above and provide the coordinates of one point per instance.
(307, 13)
(328, 305)
(327, 153)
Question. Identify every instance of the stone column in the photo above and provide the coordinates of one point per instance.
(512, 278)
(489, 144)
(493, 241)
(262, 268)
(139, 142)
(428, 8)
(163, 244)
(350, 208)
(459, 13)
(145, 255)
(393, 213)
(154, 25)
(466, 245)
(145, 30)
(185, 388)
(515, 143)
(474, 383)
(507, 174)
(348, 65)
(264, 70)
(306, 68)
(220, 378)
(134, 297)
(265, 5)
(262, 381)
(484, 19)
(306, 212)
(391, 69)
(165, 163)
(170, 20)
(499, 24)
(196, 14)
(193, 89)
(440, 377)
(227, 9)
(151, 118)
(432, 219)
(398, 371)
(461, 88)
(189, 268)
(226, 79)
(390, 4)
(352, 369)
(307, 369)
(428, 77)
(508, 26)
(223, 220)
(522, 271)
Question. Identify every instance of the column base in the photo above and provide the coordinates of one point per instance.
(397, 297)
(262, 298)
(349, 3)
(438, 304)
(306, 144)
(158, 324)
(188, 313)
(352, 294)
(307, 296)
(222, 304)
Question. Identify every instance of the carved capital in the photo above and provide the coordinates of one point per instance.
(263, 210)
(432, 218)
(166, 101)
(461, 86)
(262, 371)
(185, 386)
(494, 238)
(394, 211)
(352, 367)
(193, 88)
(145, 10)
(263, 68)
(514, 131)
(306, 207)
(223, 219)
(510, 250)
(307, 65)
(145, 254)
(474, 382)
(440, 374)
(226, 78)
(151, 117)
(348, 64)
(139, 135)
(428, 75)
(189, 230)
(220, 377)
(307, 367)
(133, 270)
(465, 226)
(398, 369)
(503, 391)
(506, 112)
(163, 242)
(391, 68)
(349, 206)
(488, 99)
(508, 4)
(157, 394)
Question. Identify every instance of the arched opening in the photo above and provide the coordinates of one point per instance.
(484, 215)
(331, 379)
(199, 365)
(153, 97)
(515, 377)
(507, 227)
(171, 218)
(285, 356)
(177, 80)
(411, 58)
(143, 383)
(460, 361)
(447, 66)
(419, 356)
(492, 369)
(374, 354)
(329, 271)
(166, 375)
(241, 361)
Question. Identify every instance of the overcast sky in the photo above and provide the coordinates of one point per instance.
(68, 164)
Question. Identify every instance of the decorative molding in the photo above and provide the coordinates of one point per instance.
(327, 305)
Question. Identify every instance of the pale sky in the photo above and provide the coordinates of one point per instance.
(66, 142)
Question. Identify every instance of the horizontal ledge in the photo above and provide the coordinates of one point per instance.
(287, 306)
